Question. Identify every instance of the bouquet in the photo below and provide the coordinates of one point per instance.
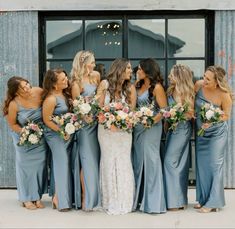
(68, 124)
(86, 109)
(145, 115)
(209, 114)
(31, 134)
(175, 114)
(117, 114)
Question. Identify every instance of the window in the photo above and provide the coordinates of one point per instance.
(169, 37)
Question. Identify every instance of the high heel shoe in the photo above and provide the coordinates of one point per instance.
(39, 204)
(197, 206)
(29, 205)
(207, 210)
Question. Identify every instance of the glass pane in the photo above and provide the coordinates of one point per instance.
(66, 65)
(63, 38)
(104, 38)
(197, 66)
(186, 38)
(146, 38)
(135, 63)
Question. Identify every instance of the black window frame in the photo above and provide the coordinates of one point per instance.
(208, 15)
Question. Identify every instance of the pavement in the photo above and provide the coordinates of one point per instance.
(13, 215)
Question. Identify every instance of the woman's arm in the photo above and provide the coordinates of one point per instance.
(133, 97)
(12, 117)
(75, 90)
(226, 106)
(47, 112)
(161, 99)
(100, 94)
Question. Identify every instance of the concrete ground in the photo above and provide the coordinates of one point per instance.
(13, 215)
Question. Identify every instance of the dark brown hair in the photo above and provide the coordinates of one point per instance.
(13, 86)
(49, 82)
(152, 70)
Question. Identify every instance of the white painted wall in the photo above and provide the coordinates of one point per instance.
(21, 5)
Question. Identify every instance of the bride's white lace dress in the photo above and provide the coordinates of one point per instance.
(116, 173)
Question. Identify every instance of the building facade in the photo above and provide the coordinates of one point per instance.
(36, 36)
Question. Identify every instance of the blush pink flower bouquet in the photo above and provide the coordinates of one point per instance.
(175, 114)
(209, 114)
(31, 134)
(68, 123)
(117, 114)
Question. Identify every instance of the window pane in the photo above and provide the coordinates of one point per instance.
(146, 38)
(186, 38)
(63, 38)
(104, 38)
(66, 65)
(197, 66)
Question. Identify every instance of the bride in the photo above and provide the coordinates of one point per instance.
(116, 173)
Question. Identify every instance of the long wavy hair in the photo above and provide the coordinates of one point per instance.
(49, 82)
(13, 86)
(79, 66)
(152, 71)
(115, 80)
(183, 85)
(219, 76)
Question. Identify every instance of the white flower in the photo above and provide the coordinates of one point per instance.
(69, 128)
(209, 114)
(33, 139)
(122, 114)
(85, 108)
(75, 103)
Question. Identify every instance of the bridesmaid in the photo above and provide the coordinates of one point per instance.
(56, 102)
(147, 165)
(85, 82)
(176, 159)
(210, 148)
(23, 103)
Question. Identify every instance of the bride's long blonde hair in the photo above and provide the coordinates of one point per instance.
(183, 84)
(79, 66)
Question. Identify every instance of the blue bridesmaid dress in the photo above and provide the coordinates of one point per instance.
(147, 165)
(31, 161)
(87, 154)
(210, 151)
(176, 163)
(60, 149)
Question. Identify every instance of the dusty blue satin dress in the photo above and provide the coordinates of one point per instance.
(31, 173)
(176, 163)
(210, 151)
(147, 165)
(61, 171)
(87, 155)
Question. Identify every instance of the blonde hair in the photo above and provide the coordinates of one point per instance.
(80, 61)
(219, 76)
(183, 86)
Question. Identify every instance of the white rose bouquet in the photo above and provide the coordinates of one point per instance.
(86, 109)
(175, 114)
(209, 114)
(145, 115)
(68, 124)
(117, 114)
(31, 134)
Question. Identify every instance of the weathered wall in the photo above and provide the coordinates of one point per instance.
(18, 56)
(225, 56)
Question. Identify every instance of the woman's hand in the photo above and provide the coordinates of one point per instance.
(66, 136)
(206, 125)
(113, 128)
